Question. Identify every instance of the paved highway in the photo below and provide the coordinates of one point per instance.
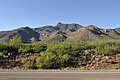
(58, 75)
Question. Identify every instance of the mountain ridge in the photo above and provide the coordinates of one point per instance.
(61, 32)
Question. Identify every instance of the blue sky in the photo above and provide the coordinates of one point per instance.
(35, 13)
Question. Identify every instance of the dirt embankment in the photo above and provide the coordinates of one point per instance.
(81, 62)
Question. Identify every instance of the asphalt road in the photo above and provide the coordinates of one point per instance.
(58, 75)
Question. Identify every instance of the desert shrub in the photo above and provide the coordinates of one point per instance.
(29, 63)
(46, 60)
(49, 60)
(39, 47)
(105, 48)
(58, 48)
(31, 48)
(55, 56)
(75, 47)
(3, 53)
(16, 41)
(25, 48)
(4, 49)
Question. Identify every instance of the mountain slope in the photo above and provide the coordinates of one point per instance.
(67, 27)
(93, 33)
(61, 32)
(25, 33)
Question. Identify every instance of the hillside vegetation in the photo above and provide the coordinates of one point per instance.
(60, 55)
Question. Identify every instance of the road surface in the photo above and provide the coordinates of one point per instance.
(59, 75)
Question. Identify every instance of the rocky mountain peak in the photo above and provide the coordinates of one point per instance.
(92, 27)
(60, 23)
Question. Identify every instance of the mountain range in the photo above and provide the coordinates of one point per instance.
(61, 32)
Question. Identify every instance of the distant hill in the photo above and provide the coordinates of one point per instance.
(61, 32)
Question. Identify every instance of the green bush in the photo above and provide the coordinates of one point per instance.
(4, 49)
(39, 47)
(25, 48)
(59, 47)
(105, 48)
(31, 48)
(49, 60)
(59, 54)
(15, 42)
